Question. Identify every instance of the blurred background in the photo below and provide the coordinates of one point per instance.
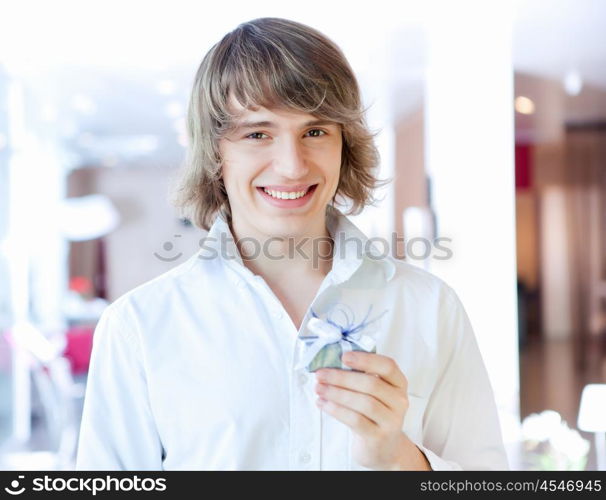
(492, 123)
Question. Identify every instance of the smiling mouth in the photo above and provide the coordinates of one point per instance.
(287, 195)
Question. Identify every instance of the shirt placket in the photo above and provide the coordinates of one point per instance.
(305, 437)
(306, 419)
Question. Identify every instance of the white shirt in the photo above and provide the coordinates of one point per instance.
(195, 369)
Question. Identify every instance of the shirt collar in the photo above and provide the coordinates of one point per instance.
(351, 248)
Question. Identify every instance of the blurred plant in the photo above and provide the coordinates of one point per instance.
(550, 444)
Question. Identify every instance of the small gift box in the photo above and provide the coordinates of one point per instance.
(327, 339)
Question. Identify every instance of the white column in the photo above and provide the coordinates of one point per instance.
(36, 251)
(469, 149)
(555, 268)
(18, 243)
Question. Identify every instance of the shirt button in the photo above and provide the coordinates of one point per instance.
(304, 457)
(241, 284)
(302, 379)
(278, 314)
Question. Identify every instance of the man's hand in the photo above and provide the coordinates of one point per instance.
(373, 404)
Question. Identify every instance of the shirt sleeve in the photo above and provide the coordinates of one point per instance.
(117, 431)
(461, 425)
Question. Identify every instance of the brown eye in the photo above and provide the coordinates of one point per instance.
(255, 135)
(316, 132)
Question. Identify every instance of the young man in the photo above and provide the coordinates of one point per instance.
(200, 367)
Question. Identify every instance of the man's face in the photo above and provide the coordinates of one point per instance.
(281, 169)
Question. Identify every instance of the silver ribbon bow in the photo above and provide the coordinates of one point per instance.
(329, 331)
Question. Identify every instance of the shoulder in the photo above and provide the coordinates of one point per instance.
(422, 284)
(434, 304)
(155, 296)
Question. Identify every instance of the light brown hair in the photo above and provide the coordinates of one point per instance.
(274, 63)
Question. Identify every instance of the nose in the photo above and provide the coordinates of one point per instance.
(290, 161)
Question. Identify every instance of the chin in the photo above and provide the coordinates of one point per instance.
(287, 225)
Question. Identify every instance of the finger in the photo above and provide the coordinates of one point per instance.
(393, 397)
(383, 366)
(354, 420)
(364, 404)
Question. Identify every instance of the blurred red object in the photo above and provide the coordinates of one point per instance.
(523, 166)
(78, 349)
(80, 284)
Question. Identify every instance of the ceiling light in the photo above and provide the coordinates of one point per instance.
(524, 105)
(166, 87)
(573, 83)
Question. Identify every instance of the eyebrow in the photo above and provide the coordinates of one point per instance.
(269, 124)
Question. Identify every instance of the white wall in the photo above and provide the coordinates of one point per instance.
(470, 157)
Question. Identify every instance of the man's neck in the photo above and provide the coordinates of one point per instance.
(285, 256)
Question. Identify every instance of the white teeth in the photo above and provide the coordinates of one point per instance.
(285, 196)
